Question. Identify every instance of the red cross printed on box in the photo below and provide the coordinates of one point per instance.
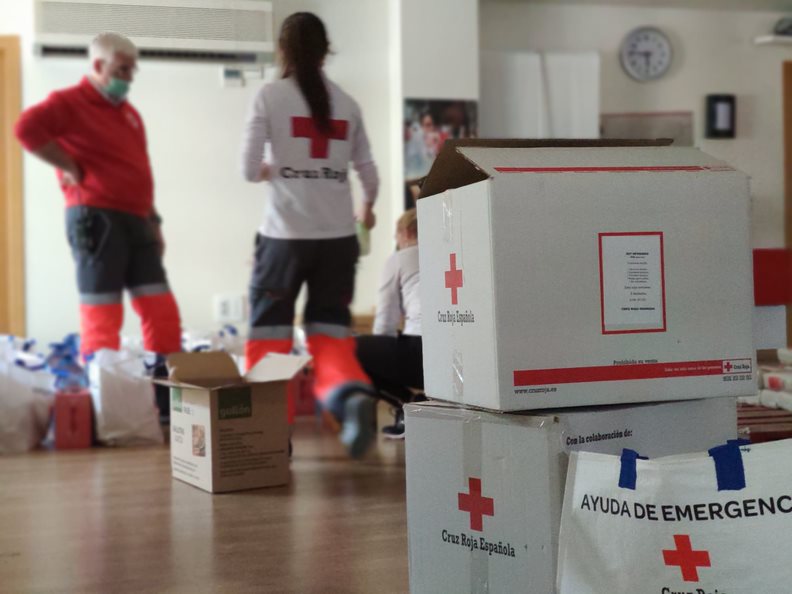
(686, 558)
(476, 505)
(320, 142)
(727, 366)
(453, 280)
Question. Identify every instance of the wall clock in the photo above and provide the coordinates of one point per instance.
(646, 53)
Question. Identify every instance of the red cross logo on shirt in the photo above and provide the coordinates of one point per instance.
(453, 279)
(476, 505)
(320, 142)
(686, 558)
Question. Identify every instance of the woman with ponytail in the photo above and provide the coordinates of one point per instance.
(312, 131)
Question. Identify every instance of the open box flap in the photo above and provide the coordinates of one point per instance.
(275, 367)
(213, 369)
(454, 169)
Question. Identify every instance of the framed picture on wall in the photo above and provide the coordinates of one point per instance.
(428, 123)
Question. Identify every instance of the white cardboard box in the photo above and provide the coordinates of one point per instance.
(484, 489)
(229, 432)
(579, 276)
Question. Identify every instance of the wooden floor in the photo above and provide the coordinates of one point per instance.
(113, 520)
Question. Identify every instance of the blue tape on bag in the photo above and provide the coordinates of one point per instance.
(29, 366)
(628, 474)
(729, 468)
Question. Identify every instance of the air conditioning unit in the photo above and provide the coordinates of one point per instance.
(206, 30)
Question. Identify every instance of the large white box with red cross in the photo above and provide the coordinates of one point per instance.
(485, 489)
(572, 276)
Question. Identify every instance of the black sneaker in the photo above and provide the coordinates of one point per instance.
(357, 427)
(395, 431)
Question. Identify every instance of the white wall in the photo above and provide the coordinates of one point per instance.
(194, 128)
(714, 53)
(434, 55)
(539, 95)
(440, 50)
(16, 17)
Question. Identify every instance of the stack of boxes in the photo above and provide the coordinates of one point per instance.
(576, 296)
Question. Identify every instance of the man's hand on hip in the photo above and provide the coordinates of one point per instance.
(53, 154)
(71, 177)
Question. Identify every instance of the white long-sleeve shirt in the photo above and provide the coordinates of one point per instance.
(309, 191)
(399, 294)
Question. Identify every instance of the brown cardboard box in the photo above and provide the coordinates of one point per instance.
(229, 432)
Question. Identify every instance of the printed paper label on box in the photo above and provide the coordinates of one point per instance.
(191, 449)
(632, 284)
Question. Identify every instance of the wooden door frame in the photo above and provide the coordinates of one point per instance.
(12, 256)
(787, 99)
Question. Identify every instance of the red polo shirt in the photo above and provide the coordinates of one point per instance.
(107, 141)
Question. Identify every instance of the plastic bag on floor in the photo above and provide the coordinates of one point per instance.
(11, 345)
(132, 345)
(228, 339)
(774, 399)
(700, 523)
(123, 400)
(231, 341)
(26, 396)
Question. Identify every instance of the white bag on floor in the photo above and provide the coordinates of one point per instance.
(227, 339)
(698, 523)
(132, 345)
(26, 396)
(123, 400)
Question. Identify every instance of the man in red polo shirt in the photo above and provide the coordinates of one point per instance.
(96, 141)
